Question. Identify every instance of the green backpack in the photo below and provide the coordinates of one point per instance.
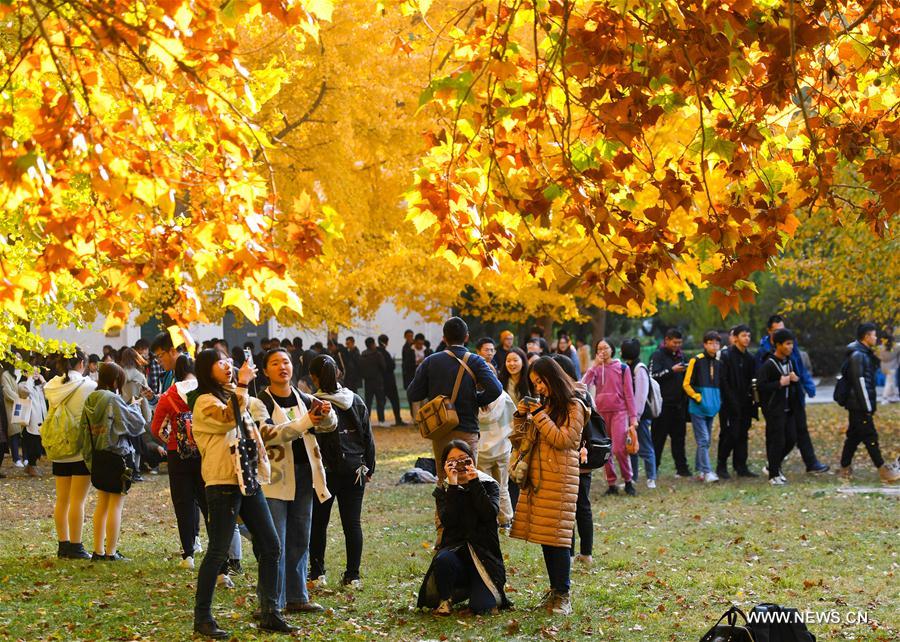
(60, 434)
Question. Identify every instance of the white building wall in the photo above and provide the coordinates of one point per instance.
(388, 320)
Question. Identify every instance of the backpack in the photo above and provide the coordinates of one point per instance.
(732, 631)
(593, 437)
(184, 436)
(60, 433)
(781, 624)
(842, 386)
(654, 395)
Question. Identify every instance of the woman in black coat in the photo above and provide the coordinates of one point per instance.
(469, 564)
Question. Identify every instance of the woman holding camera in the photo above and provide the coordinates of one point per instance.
(546, 444)
(468, 564)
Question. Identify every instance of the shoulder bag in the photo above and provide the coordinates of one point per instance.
(439, 417)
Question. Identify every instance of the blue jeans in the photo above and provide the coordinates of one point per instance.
(224, 504)
(645, 451)
(702, 435)
(559, 565)
(293, 522)
(455, 569)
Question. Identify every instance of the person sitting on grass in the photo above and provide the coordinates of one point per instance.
(468, 565)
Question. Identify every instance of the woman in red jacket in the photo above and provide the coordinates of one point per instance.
(171, 424)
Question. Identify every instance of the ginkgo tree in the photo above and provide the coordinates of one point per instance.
(128, 160)
(625, 151)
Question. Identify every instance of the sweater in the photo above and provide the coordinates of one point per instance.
(701, 383)
(495, 426)
(614, 388)
(215, 431)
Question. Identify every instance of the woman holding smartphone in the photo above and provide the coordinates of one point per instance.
(546, 444)
(469, 564)
(215, 431)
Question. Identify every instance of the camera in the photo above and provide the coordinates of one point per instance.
(532, 401)
(460, 465)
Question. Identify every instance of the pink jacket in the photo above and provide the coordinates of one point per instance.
(615, 391)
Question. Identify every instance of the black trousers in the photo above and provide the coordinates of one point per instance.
(375, 388)
(188, 495)
(583, 516)
(671, 423)
(781, 436)
(734, 431)
(393, 395)
(861, 431)
(349, 496)
(804, 441)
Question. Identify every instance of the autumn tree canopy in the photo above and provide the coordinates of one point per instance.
(626, 150)
(267, 156)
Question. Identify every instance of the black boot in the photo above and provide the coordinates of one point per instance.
(745, 472)
(722, 471)
(210, 629)
(77, 552)
(629, 489)
(62, 549)
(272, 621)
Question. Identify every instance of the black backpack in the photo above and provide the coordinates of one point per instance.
(774, 623)
(842, 386)
(731, 631)
(593, 437)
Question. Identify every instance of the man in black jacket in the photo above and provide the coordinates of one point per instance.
(408, 358)
(860, 370)
(738, 412)
(350, 365)
(390, 381)
(781, 400)
(371, 366)
(667, 366)
(437, 375)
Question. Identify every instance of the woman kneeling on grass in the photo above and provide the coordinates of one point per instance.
(215, 431)
(545, 460)
(109, 424)
(469, 564)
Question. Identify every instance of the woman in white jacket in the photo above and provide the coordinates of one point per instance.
(66, 394)
(298, 474)
(215, 431)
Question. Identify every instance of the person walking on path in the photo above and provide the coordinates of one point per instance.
(614, 400)
(861, 406)
(779, 389)
(667, 366)
(702, 383)
(804, 441)
(888, 353)
(738, 409)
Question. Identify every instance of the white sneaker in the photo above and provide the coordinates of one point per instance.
(198, 547)
(317, 583)
(651, 483)
(187, 562)
(710, 478)
(778, 481)
(765, 471)
(224, 581)
(782, 478)
(18, 464)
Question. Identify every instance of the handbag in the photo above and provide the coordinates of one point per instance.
(245, 454)
(439, 417)
(110, 471)
(632, 445)
(21, 411)
(732, 631)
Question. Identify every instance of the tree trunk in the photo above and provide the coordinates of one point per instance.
(546, 322)
(598, 325)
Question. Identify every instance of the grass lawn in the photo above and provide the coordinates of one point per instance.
(667, 563)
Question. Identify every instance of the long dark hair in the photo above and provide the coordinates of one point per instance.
(523, 387)
(184, 366)
(64, 364)
(206, 384)
(562, 390)
(111, 377)
(325, 370)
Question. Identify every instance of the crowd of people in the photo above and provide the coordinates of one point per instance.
(263, 443)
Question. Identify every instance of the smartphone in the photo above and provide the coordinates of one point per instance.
(316, 408)
(248, 356)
